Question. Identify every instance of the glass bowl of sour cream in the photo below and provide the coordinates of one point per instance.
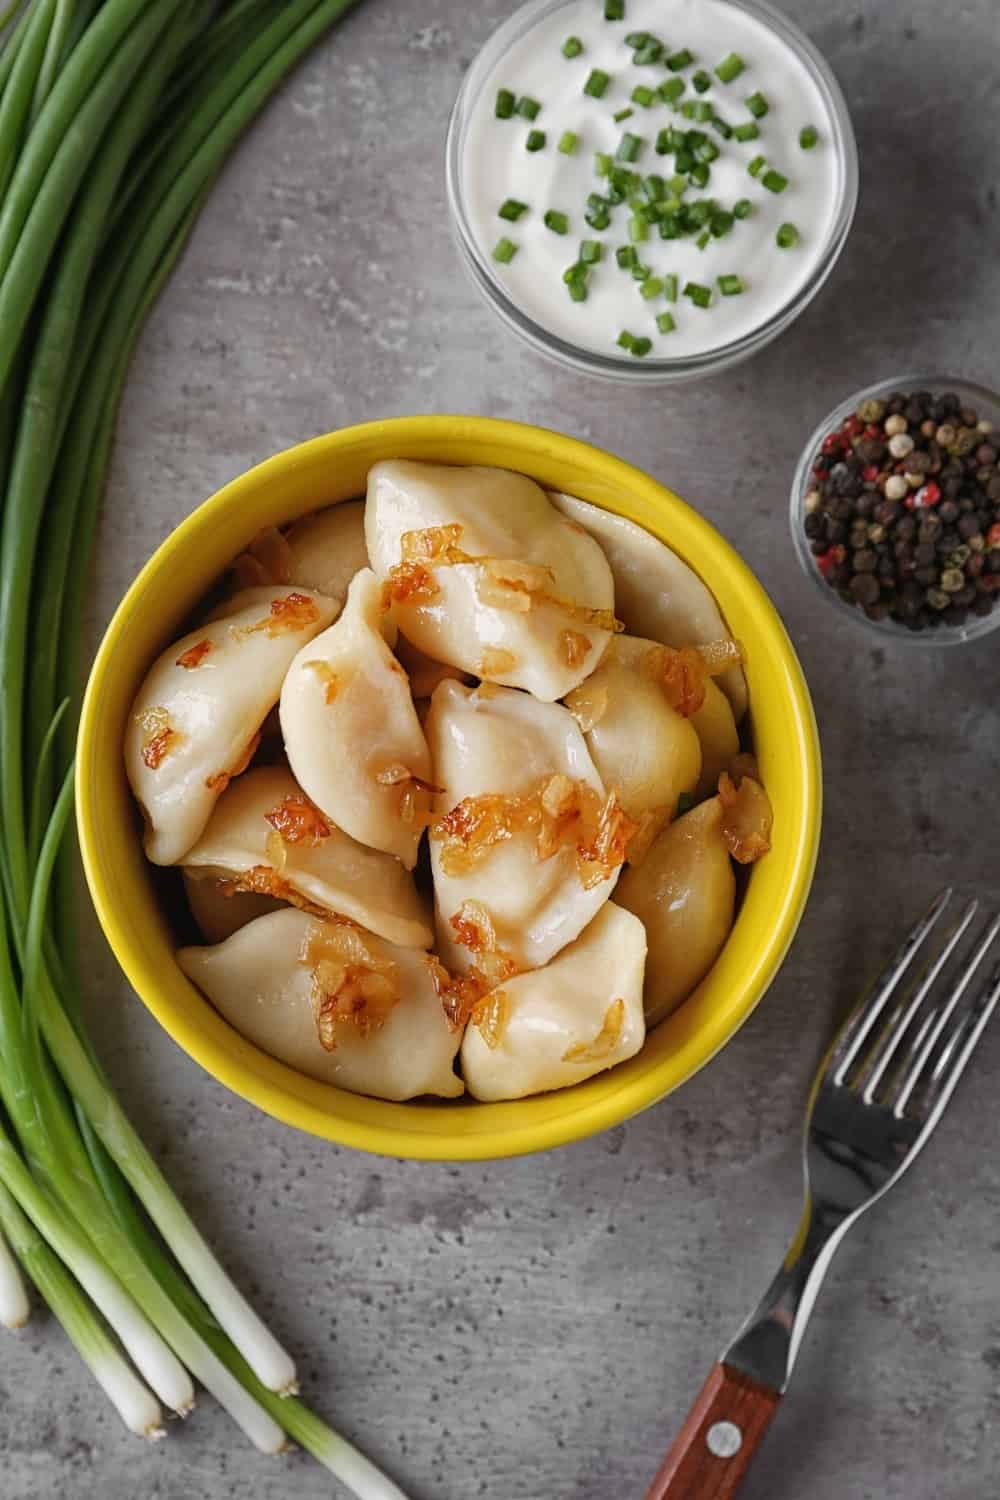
(652, 190)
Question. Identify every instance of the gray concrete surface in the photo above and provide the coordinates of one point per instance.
(535, 1330)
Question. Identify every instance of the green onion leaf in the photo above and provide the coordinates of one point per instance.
(641, 347)
(665, 322)
(757, 166)
(678, 60)
(535, 141)
(572, 47)
(808, 137)
(511, 209)
(787, 237)
(578, 291)
(598, 214)
(748, 132)
(729, 68)
(504, 251)
(699, 174)
(528, 108)
(637, 39)
(654, 187)
(568, 142)
(627, 256)
(556, 221)
(743, 208)
(603, 164)
(707, 151)
(730, 286)
(670, 288)
(614, 10)
(505, 104)
(701, 81)
(721, 224)
(639, 271)
(597, 83)
(643, 95)
(758, 105)
(626, 339)
(700, 295)
(629, 147)
(623, 114)
(719, 125)
(774, 181)
(671, 89)
(651, 287)
(650, 52)
(703, 239)
(638, 229)
(590, 252)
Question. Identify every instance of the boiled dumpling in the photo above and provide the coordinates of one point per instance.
(642, 747)
(352, 735)
(323, 551)
(715, 727)
(683, 892)
(526, 846)
(556, 1026)
(195, 720)
(268, 835)
(533, 610)
(218, 908)
(334, 1002)
(656, 594)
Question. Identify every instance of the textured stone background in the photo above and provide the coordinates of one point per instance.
(535, 1330)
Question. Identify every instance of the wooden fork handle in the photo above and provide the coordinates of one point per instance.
(713, 1449)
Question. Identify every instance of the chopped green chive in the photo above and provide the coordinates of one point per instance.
(721, 224)
(535, 140)
(650, 52)
(703, 239)
(808, 137)
(572, 47)
(678, 184)
(700, 295)
(576, 272)
(670, 228)
(627, 256)
(505, 104)
(528, 108)
(730, 67)
(637, 39)
(665, 322)
(590, 252)
(511, 209)
(699, 174)
(671, 89)
(687, 108)
(670, 288)
(603, 163)
(598, 214)
(748, 132)
(757, 166)
(643, 95)
(654, 187)
(743, 209)
(787, 237)
(719, 125)
(623, 114)
(651, 287)
(707, 151)
(703, 111)
(597, 83)
(578, 290)
(684, 160)
(730, 286)
(701, 81)
(641, 347)
(568, 142)
(614, 10)
(639, 271)
(629, 147)
(678, 60)
(557, 221)
(774, 181)
(638, 229)
(504, 250)
(758, 105)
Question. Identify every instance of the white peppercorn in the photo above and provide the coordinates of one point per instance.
(895, 424)
(896, 487)
(900, 445)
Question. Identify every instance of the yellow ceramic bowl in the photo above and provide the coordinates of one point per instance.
(333, 468)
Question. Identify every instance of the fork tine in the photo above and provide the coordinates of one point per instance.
(914, 1073)
(884, 1048)
(949, 1069)
(857, 1028)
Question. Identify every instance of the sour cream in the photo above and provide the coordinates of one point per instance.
(495, 166)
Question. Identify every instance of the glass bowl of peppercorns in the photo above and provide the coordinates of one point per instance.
(895, 509)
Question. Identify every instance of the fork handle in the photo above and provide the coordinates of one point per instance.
(712, 1451)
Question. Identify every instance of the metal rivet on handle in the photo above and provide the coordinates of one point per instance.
(724, 1439)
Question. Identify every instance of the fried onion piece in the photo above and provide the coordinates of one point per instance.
(606, 1040)
(194, 655)
(681, 672)
(296, 820)
(415, 793)
(434, 544)
(289, 613)
(490, 1016)
(473, 928)
(574, 648)
(746, 818)
(327, 676)
(159, 736)
(409, 583)
(720, 656)
(352, 983)
(588, 704)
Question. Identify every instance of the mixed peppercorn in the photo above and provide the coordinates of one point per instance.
(902, 514)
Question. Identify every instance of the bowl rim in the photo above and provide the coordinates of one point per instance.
(580, 1112)
(941, 636)
(662, 371)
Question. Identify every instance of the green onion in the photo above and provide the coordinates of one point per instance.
(505, 104)
(787, 237)
(703, 112)
(729, 68)
(504, 251)
(590, 252)
(629, 147)
(626, 256)
(808, 137)
(748, 132)
(636, 39)
(699, 174)
(721, 224)
(623, 114)
(640, 271)
(512, 209)
(654, 187)
(757, 166)
(707, 151)
(535, 140)
(638, 229)
(774, 181)
(701, 81)
(578, 291)
(626, 339)
(703, 239)
(671, 89)
(678, 184)
(678, 60)
(643, 95)
(568, 142)
(528, 108)
(687, 109)
(614, 10)
(650, 52)
(572, 47)
(757, 105)
(598, 215)
(743, 208)
(665, 322)
(556, 221)
(603, 164)
(641, 347)
(597, 83)
(719, 125)
(670, 288)
(684, 160)
(730, 286)
(700, 295)
(651, 287)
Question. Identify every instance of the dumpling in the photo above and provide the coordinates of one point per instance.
(196, 718)
(642, 747)
(556, 1026)
(269, 838)
(526, 845)
(323, 551)
(218, 908)
(683, 892)
(334, 1002)
(715, 727)
(351, 732)
(492, 579)
(656, 594)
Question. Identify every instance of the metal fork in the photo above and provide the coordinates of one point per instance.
(879, 1093)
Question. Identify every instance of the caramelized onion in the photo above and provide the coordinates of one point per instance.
(327, 676)
(296, 820)
(194, 655)
(588, 704)
(495, 661)
(351, 982)
(159, 736)
(289, 613)
(574, 648)
(746, 818)
(606, 1040)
